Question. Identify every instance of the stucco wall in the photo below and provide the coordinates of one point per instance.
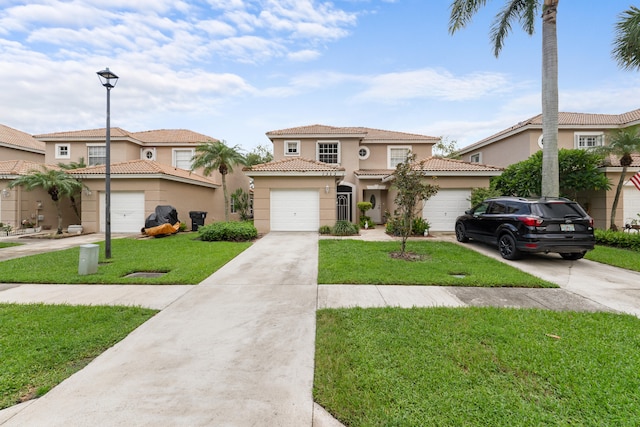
(7, 153)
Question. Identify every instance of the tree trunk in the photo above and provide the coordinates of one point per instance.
(226, 197)
(614, 207)
(59, 212)
(550, 179)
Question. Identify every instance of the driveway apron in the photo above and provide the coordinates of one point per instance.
(237, 350)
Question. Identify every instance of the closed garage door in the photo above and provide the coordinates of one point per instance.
(631, 197)
(295, 210)
(442, 209)
(127, 212)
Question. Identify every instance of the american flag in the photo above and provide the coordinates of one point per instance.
(636, 180)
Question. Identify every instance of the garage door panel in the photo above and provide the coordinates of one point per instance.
(631, 197)
(127, 212)
(442, 209)
(294, 210)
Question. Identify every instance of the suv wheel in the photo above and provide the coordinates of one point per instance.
(507, 247)
(461, 236)
(572, 256)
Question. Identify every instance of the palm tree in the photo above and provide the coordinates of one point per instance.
(218, 156)
(525, 11)
(626, 44)
(56, 183)
(622, 144)
(70, 166)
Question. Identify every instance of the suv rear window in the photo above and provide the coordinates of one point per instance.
(560, 210)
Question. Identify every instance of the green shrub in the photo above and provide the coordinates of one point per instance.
(394, 226)
(479, 194)
(232, 231)
(366, 219)
(324, 229)
(419, 226)
(618, 239)
(182, 227)
(345, 228)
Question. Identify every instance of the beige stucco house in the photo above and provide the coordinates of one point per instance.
(148, 169)
(575, 131)
(320, 173)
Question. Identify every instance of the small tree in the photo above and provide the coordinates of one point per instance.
(363, 207)
(242, 204)
(259, 155)
(412, 192)
(445, 148)
(58, 184)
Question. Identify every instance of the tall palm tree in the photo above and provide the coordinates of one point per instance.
(626, 44)
(58, 184)
(525, 11)
(217, 156)
(622, 144)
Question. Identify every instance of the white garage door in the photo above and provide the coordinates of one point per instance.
(631, 197)
(442, 209)
(295, 210)
(127, 212)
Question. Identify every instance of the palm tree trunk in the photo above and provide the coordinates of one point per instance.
(550, 179)
(614, 207)
(226, 197)
(59, 212)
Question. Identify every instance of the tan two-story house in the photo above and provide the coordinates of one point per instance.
(320, 173)
(575, 131)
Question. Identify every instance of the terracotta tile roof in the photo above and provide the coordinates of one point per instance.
(566, 120)
(373, 172)
(22, 167)
(159, 136)
(367, 134)
(20, 140)
(296, 164)
(441, 164)
(614, 161)
(144, 167)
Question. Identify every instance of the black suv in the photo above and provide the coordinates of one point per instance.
(519, 225)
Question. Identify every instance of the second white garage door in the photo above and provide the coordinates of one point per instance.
(631, 197)
(127, 212)
(442, 209)
(295, 210)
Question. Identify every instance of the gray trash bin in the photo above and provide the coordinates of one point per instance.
(197, 219)
(88, 259)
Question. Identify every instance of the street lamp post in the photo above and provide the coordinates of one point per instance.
(108, 80)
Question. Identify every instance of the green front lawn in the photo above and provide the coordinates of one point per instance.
(623, 258)
(41, 345)
(185, 260)
(442, 263)
(477, 367)
(8, 244)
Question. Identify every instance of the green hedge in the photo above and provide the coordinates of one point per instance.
(618, 239)
(228, 231)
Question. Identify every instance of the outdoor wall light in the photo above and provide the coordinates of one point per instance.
(326, 189)
(109, 80)
(5, 193)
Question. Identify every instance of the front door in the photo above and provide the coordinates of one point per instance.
(373, 197)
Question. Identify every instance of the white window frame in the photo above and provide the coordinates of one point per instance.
(333, 142)
(366, 150)
(59, 151)
(476, 158)
(174, 160)
(296, 152)
(89, 147)
(577, 135)
(396, 147)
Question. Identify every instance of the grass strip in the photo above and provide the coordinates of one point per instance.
(623, 258)
(185, 260)
(8, 244)
(477, 366)
(41, 345)
(442, 263)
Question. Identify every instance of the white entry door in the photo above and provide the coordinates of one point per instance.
(127, 212)
(295, 210)
(442, 209)
(374, 197)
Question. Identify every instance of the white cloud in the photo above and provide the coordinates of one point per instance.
(303, 55)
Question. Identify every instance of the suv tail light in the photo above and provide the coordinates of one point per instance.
(531, 221)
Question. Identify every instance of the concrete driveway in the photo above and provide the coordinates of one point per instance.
(612, 287)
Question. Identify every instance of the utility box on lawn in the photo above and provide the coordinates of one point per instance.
(197, 219)
(88, 259)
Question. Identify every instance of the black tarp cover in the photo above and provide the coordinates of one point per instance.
(164, 214)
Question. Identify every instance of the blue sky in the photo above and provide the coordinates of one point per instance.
(235, 69)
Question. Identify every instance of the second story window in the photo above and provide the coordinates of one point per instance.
(182, 158)
(96, 155)
(63, 151)
(586, 140)
(397, 155)
(475, 158)
(329, 152)
(292, 148)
